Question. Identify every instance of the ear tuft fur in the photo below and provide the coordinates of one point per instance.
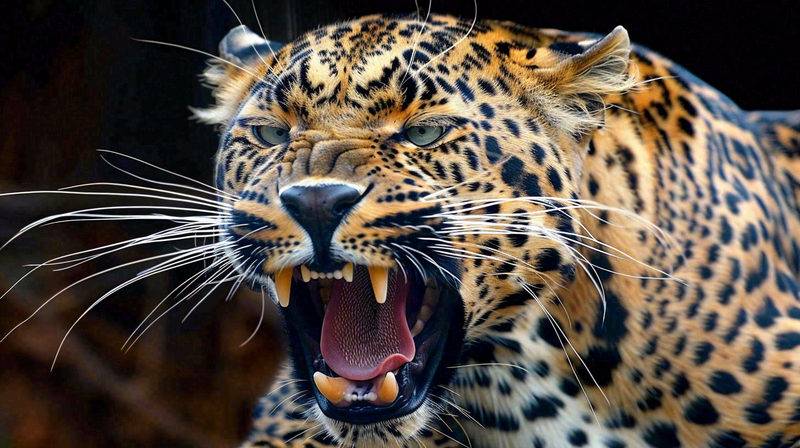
(575, 86)
(243, 48)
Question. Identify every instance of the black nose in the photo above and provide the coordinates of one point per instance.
(319, 210)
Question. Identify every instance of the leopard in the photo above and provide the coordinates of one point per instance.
(481, 234)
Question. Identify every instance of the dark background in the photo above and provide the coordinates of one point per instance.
(72, 81)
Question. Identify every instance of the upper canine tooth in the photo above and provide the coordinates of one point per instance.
(306, 273)
(283, 285)
(332, 388)
(347, 272)
(380, 282)
(388, 389)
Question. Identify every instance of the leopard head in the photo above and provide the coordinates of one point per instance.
(400, 187)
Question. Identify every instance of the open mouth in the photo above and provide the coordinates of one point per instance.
(372, 340)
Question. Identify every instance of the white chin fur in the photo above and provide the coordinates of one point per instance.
(410, 424)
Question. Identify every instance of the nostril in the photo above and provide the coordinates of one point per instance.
(344, 206)
(291, 208)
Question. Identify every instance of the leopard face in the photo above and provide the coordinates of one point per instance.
(400, 189)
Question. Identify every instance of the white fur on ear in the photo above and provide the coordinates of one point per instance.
(245, 48)
(573, 89)
(601, 69)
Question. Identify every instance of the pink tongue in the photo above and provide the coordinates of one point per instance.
(361, 338)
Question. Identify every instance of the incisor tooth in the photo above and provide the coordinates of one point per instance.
(388, 389)
(380, 282)
(306, 273)
(283, 285)
(347, 272)
(332, 388)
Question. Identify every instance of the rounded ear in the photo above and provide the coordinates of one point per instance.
(602, 68)
(571, 80)
(243, 47)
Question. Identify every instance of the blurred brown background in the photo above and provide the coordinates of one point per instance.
(71, 81)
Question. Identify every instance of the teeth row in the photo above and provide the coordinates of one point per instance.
(372, 396)
(343, 391)
(429, 302)
(345, 273)
(283, 280)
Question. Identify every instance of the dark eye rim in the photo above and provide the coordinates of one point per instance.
(445, 131)
(262, 140)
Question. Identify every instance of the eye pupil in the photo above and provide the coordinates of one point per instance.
(271, 135)
(424, 135)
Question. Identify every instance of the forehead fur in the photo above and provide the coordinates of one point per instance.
(387, 68)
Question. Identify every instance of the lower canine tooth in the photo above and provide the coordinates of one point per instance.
(380, 282)
(417, 328)
(283, 285)
(347, 272)
(332, 388)
(425, 313)
(388, 389)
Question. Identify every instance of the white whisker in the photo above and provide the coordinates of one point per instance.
(285, 400)
(559, 334)
(182, 47)
(217, 190)
(474, 21)
(176, 291)
(84, 213)
(79, 282)
(242, 30)
(416, 40)
(214, 288)
(213, 191)
(260, 319)
(100, 300)
(269, 45)
(196, 200)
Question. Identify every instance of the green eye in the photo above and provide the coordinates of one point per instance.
(424, 135)
(272, 135)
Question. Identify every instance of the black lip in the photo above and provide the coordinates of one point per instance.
(414, 385)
